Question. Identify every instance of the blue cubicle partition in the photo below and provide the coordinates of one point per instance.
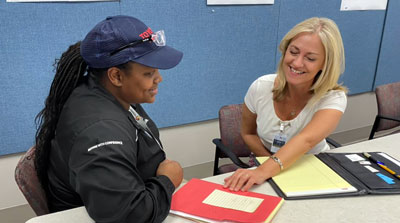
(387, 70)
(225, 49)
(32, 36)
(361, 32)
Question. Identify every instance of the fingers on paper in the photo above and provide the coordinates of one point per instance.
(248, 184)
(243, 180)
(238, 180)
(227, 181)
(230, 182)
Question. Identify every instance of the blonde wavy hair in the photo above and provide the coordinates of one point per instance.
(334, 63)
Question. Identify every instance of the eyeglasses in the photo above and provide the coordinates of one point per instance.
(158, 38)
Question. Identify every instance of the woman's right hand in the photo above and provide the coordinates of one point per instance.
(244, 179)
(172, 170)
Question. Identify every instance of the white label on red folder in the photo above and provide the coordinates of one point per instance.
(224, 199)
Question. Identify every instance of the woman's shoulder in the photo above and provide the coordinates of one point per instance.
(265, 80)
(260, 91)
(335, 94)
(334, 99)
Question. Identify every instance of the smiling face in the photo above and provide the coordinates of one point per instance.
(137, 84)
(141, 84)
(304, 58)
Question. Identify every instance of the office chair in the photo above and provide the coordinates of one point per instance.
(388, 117)
(231, 144)
(28, 182)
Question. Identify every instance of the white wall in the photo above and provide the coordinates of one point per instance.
(10, 195)
(360, 112)
(191, 144)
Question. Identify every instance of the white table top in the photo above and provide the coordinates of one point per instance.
(367, 208)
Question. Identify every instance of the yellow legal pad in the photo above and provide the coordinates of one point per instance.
(309, 176)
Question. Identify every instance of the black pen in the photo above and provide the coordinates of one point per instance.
(381, 165)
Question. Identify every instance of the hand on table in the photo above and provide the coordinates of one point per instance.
(244, 179)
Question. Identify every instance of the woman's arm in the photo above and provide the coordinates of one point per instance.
(320, 126)
(249, 133)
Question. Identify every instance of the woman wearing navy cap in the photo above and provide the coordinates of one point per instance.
(95, 145)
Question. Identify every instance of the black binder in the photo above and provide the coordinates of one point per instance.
(356, 174)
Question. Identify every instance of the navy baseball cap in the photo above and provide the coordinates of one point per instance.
(102, 46)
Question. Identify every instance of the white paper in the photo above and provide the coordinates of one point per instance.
(239, 2)
(365, 162)
(62, 0)
(355, 157)
(390, 158)
(228, 200)
(351, 5)
(373, 170)
(194, 217)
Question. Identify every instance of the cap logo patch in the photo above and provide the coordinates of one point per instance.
(146, 34)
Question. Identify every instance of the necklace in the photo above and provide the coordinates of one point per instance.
(293, 113)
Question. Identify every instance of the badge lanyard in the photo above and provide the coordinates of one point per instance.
(280, 139)
(142, 123)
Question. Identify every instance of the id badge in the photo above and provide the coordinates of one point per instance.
(279, 141)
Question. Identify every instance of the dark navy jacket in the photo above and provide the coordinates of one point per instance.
(100, 159)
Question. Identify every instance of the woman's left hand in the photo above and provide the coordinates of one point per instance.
(244, 179)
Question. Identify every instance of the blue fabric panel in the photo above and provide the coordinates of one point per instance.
(361, 32)
(389, 56)
(225, 49)
(32, 36)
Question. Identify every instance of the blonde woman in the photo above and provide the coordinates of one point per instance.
(288, 114)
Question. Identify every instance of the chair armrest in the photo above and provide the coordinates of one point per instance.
(229, 153)
(333, 142)
(376, 123)
(388, 118)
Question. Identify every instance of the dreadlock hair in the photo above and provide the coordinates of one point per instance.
(70, 71)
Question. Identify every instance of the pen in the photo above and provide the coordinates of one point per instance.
(382, 165)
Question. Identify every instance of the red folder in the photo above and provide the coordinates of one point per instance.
(189, 199)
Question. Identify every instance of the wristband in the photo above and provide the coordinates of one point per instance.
(278, 161)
